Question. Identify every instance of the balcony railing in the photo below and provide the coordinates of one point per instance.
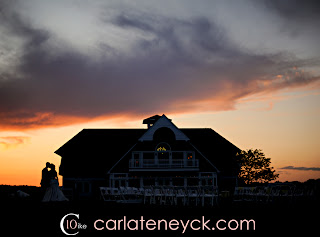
(163, 164)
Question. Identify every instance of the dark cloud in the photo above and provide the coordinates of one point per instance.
(123, 20)
(179, 64)
(296, 10)
(301, 168)
(298, 17)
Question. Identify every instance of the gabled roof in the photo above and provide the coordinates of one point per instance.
(101, 137)
(163, 121)
(214, 147)
(95, 151)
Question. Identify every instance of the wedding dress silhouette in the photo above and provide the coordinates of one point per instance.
(53, 192)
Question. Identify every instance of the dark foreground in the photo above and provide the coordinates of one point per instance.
(30, 217)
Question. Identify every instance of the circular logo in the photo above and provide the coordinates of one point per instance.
(70, 224)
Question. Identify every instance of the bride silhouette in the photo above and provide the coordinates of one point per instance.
(53, 192)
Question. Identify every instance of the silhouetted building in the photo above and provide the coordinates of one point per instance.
(162, 155)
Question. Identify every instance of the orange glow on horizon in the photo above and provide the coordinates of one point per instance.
(288, 133)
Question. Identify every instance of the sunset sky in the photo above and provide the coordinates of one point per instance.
(250, 70)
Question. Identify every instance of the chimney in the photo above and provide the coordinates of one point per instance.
(150, 121)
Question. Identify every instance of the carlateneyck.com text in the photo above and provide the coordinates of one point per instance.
(173, 224)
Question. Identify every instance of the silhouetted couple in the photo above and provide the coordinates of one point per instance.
(50, 184)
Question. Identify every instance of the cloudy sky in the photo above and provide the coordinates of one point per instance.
(70, 63)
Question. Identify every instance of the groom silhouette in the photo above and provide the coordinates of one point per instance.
(45, 180)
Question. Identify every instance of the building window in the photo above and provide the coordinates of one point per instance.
(190, 159)
(163, 147)
(163, 151)
(177, 155)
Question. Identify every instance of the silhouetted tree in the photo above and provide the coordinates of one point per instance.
(255, 167)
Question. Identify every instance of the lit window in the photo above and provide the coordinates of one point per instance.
(163, 146)
(161, 149)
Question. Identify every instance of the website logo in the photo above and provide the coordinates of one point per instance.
(70, 224)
